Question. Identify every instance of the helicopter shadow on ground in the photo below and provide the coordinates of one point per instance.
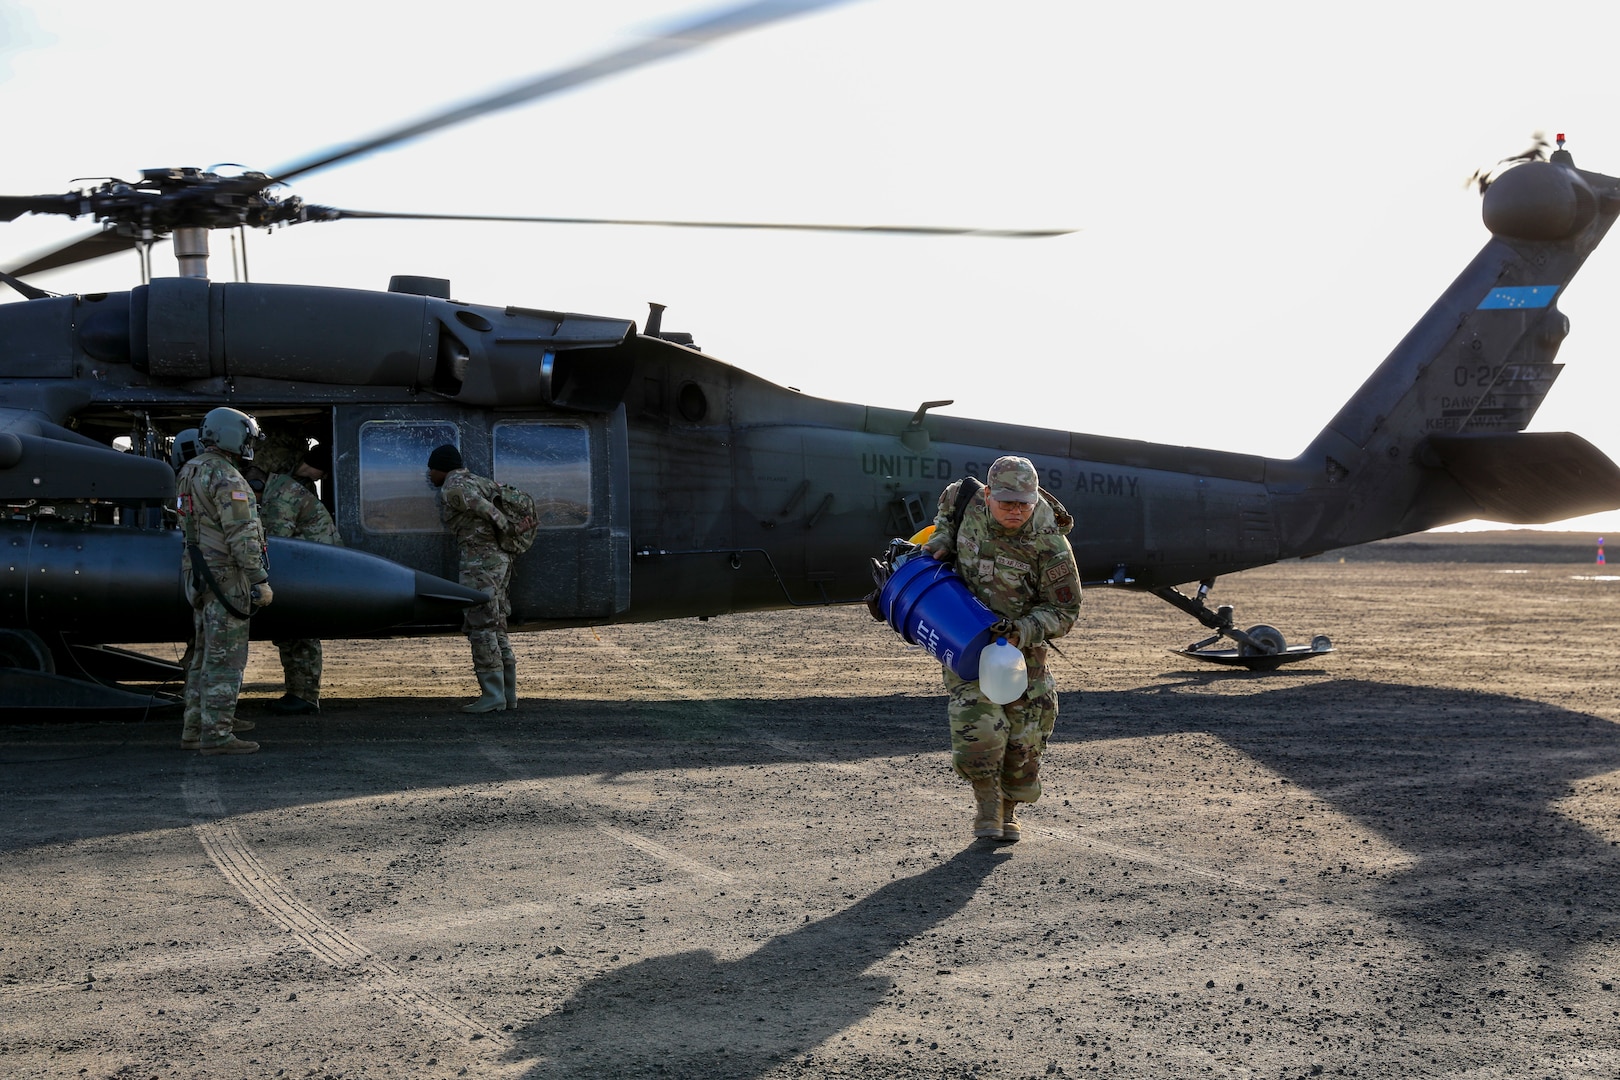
(1466, 783)
(1463, 782)
(67, 781)
(693, 1014)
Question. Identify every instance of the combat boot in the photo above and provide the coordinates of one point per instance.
(1009, 820)
(233, 745)
(987, 816)
(293, 705)
(509, 673)
(492, 690)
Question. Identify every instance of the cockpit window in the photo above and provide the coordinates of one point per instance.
(395, 495)
(552, 462)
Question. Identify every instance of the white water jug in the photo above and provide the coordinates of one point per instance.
(1003, 675)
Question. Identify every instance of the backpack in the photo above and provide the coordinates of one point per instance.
(964, 495)
(522, 523)
(899, 550)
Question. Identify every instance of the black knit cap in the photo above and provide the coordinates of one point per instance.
(445, 459)
(319, 457)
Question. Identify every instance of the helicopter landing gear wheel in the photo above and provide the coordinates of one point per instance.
(1271, 646)
(25, 650)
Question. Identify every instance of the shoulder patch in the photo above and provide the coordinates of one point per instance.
(1060, 571)
(241, 495)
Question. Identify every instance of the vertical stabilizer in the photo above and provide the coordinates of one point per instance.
(1406, 452)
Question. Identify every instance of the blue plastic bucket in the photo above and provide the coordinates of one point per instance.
(928, 604)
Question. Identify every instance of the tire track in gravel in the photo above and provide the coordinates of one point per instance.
(224, 844)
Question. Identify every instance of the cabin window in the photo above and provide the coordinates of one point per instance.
(395, 495)
(552, 462)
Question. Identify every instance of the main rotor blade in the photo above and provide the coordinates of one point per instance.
(914, 230)
(93, 246)
(674, 42)
(13, 207)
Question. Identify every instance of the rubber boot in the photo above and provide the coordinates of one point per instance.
(509, 674)
(1009, 820)
(491, 686)
(987, 815)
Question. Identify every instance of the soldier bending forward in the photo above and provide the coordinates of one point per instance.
(1013, 553)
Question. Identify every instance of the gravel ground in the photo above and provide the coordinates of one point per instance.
(735, 848)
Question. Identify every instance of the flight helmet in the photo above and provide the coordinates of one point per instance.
(232, 431)
(183, 448)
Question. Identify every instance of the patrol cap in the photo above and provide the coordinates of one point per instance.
(1013, 479)
(445, 458)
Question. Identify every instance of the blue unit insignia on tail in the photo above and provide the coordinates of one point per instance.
(1518, 296)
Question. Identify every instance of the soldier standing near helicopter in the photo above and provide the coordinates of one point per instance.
(1012, 552)
(287, 507)
(467, 508)
(225, 577)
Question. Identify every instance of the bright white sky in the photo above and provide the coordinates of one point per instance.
(1269, 194)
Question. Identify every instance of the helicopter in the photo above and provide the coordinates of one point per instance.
(672, 484)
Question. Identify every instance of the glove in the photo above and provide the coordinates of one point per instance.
(1025, 629)
(1008, 629)
(262, 594)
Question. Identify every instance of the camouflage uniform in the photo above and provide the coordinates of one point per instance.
(280, 452)
(1028, 577)
(218, 513)
(468, 510)
(288, 508)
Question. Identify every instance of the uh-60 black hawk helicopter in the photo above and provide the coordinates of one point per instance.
(673, 484)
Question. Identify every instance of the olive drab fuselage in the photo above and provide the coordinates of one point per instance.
(674, 485)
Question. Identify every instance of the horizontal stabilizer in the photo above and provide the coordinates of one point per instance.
(1530, 478)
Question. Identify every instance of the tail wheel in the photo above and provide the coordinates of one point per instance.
(1267, 648)
(25, 650)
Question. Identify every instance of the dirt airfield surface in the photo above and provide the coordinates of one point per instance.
(735, 848)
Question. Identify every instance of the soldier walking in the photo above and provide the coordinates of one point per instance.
(225, 577)
(467, 508)
(288, 508)
(1012, 552)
